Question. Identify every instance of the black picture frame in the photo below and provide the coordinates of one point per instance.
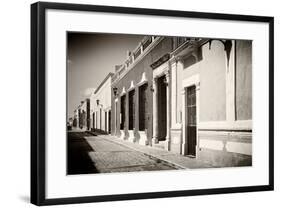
(38, 102)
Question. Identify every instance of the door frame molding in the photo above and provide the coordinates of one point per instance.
(188, 82)
(115, 116)
(162, 70)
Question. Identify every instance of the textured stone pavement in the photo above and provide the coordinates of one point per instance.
(88, 153)
(97, 154)
(172, 159)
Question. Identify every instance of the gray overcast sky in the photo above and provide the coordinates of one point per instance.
(90, 58)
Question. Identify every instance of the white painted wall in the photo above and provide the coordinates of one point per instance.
(15, 79)
(104, 97)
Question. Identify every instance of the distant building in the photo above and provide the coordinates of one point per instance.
(100, 108)
(76, 116)
(70, 121)
(84, 115)
(189, 96)
(75, 119)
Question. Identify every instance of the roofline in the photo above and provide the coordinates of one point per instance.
(140, 57)
(110, 74)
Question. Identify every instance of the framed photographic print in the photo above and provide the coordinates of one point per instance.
(130, 103)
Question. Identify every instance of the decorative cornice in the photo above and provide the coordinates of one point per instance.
(143, 79)
(132, 86)
(188, 48)
(123, 92)
(160, 61)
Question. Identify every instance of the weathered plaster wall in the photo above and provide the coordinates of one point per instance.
(243, 80)
(212, 83)
(211, 67)
(221, 148)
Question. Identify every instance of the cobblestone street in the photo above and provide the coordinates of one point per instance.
(96, 154)
(93, 153)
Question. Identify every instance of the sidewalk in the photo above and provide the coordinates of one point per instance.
(176, 160)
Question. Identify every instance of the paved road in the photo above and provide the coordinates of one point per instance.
(93, 154)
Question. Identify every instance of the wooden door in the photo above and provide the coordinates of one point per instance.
(191, 125)
(94, 121)
(143, 107)
(123, 112)
(162, 108)
(132, 110)
(109, 122)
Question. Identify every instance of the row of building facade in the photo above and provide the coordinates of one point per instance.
(94, 113)
(191, 96)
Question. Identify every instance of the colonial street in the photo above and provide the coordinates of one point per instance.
(93, 153)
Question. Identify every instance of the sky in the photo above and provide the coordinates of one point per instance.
(90, 57)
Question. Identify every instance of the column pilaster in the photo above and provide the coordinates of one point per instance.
(183, 150)
(230, 86)
(155, 112)
(174, 92)
(167, 77)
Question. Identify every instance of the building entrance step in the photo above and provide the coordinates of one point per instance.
(160, 145)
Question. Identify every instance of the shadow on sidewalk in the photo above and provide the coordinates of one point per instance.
(78, 160)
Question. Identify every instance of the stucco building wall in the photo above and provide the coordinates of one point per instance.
(101, 106)
(222, 76)
(243, 80)
(140, 74)
(200, 89)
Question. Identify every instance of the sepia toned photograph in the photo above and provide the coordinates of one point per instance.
(153, 103)
(174, 103)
